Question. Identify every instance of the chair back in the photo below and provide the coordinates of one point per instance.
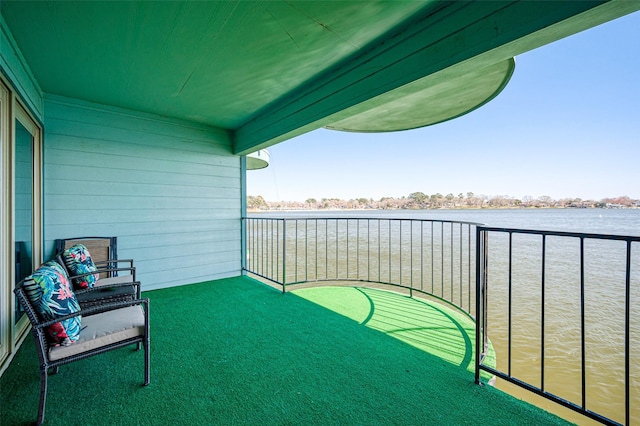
(101, 248)
(26, 304)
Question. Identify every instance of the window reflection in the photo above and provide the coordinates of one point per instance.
(23, 205)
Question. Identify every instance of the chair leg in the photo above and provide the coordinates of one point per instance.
(147, 362)
(43, 394)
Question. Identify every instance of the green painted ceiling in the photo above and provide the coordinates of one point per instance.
(211, 62)
(427, 101)
(270, 70)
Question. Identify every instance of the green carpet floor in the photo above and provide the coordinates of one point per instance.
(235, 351)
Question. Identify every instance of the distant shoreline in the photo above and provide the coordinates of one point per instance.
(337, 209)
(421, 201)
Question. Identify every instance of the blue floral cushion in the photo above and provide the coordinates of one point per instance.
(78, 262)
(50, 293)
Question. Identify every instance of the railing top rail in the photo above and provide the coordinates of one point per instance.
(464, 222)
(560, 233)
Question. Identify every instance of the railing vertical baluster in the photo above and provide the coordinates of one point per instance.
(389, 252)
(316, 249)
(460, 231)
(263, 250)
(627, 335)
(422, 255)
(442, 259)
(295, 254)
(510, 303)
(271, 241)
(479, 286)
(411, 258)
(326, 249)
(432, 261)
(284, 255)
(337, 264)
(544, 259)
(469, 273)
(582, 329)
(451, 263)
(379, 250)
(400, 250)
(347, 248)
(368, 249)
(306, 250)
(357, 249)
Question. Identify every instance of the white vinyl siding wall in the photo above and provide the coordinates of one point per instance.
(169, 190)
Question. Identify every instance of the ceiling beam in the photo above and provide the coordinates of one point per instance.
(452, 36)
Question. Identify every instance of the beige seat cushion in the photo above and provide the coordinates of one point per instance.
(102, 282)
(103, 329)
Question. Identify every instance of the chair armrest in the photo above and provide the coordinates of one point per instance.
(136, 284)
(132, 272)
(114, 261)
(96, 310)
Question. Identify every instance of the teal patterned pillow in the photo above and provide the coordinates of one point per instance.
(50, 293)
(78, 261)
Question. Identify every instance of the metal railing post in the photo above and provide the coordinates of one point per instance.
(479, 316)
(284, 256)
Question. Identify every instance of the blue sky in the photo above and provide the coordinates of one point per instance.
(567, 125)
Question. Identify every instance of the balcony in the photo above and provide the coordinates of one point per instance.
(558, 306)
(327, 342)
(235, 351)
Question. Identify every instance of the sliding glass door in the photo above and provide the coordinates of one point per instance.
(20, 213)
(26, 173)
(5, 221)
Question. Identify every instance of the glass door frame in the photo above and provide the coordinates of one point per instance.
(14, 330)
(29, 123)
(6, 207)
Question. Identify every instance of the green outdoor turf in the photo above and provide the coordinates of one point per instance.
(235, 351)
(427, 325)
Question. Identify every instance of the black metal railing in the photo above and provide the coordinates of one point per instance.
(561, 311)
(434, 257)
(561, 308)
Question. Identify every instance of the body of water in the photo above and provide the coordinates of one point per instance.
(602, 221)
(535, 319)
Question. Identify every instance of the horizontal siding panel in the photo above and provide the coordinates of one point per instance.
(175, 240)
(131, 235)
(75, 114)
(214, 144)
(134, 217)
(168, 202)
(73, 173)
(159, 281)
(216, 188)
(170, 192)
(208, 153)
(185, 255)
(153, 274)
(158, 236)
(124, 162)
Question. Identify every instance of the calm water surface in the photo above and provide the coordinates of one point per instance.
(560, 332)
(603, 221)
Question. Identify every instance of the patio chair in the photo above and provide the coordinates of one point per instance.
(111, 285)
(102, 249)
(65, 333)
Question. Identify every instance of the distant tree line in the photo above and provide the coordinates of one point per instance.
(420, 200)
